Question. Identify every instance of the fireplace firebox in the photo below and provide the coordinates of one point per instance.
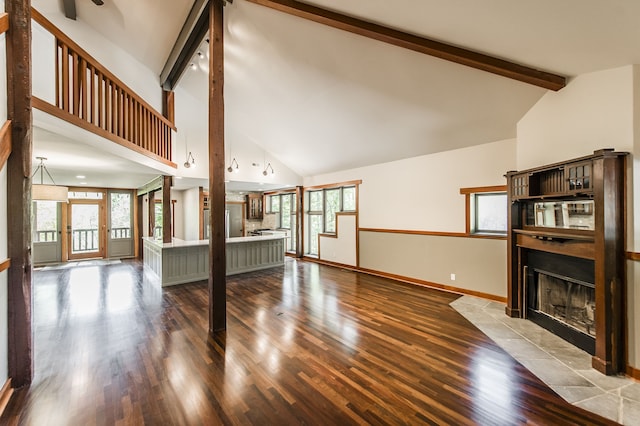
(560, 296)
(566, 253)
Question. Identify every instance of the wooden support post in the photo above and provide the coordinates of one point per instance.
(299, 221)
(217, 246)
(137, 230)
(168, 106)
(20, 338)
(151, 213)
(166, 209)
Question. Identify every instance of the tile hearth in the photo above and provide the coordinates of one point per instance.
(563, 367)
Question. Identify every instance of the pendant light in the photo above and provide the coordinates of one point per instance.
(42, 192)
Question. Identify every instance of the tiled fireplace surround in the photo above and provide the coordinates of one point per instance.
(562, 366)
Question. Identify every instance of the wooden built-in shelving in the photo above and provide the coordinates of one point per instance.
(590, 187)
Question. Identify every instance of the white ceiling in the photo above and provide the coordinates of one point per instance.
(321, 100)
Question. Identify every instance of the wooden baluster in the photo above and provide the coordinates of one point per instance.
(83, 88)
(114, 108)
(57, 71)
(125, 133)
(107, 104)
(120, 112)
(154, 145)
(65, 78)
(100, 82)
(92, 92)
(76, 84)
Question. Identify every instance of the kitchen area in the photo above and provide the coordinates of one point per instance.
(252, 240)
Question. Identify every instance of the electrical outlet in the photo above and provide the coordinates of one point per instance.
(453, 277)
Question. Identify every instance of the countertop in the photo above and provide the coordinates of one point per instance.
(177, 242)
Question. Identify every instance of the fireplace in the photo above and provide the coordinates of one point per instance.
(566, 253)
(561, 297)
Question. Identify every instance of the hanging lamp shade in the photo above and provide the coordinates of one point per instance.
(43, 192)
(49, 193)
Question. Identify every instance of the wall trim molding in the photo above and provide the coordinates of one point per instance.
(5, 395)
(409, 280)
(434, 233)
(632, 372)
(632, 255)
(5, 142)
(5, 264)
(4, 22)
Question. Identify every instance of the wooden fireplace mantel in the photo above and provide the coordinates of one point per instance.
(599, 177)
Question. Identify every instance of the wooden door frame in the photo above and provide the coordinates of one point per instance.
(102, 226)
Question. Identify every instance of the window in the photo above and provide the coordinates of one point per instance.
(283, 206)
(322, 207)
(486, 208)
(349, 198)
(157, 229)
(86, 195)
(331, 207)
(45, 221)
(490, 213)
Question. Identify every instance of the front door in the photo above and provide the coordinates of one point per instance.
(85, 223)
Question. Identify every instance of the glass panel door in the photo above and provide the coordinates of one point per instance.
(46, 232)
(120, 232)
(85, 224)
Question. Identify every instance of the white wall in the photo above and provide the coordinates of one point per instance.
(144, 81)
(178, 215)
(423, 193)
(43, 60)
(191, 213)
(192, 121)
(4, 331)
(594, 111)
(342, 247)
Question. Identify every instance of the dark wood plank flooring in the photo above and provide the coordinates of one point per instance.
(306, 344)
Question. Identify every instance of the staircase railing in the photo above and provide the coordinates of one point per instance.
(88, 91)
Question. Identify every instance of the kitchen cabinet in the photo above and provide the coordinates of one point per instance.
(254, 206)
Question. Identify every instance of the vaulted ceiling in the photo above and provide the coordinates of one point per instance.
(320, 99)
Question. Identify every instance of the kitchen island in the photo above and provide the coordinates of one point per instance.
(180, 261)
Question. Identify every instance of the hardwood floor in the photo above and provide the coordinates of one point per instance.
(306, 344)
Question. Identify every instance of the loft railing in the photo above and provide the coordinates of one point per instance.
(86, 90)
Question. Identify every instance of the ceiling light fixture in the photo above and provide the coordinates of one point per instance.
(231, 169)
(42, 192)
(266, 169)
(192, 163)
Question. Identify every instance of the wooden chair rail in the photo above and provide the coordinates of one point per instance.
(87, 90)
(4, 22)
(4, 264)
(5, 142)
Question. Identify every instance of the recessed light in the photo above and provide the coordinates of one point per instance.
(178, 177)
(83, 183)
(81, 177)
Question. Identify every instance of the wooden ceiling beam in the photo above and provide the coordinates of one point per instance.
(418, 44)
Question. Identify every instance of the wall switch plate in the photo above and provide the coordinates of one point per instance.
(453, 277)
